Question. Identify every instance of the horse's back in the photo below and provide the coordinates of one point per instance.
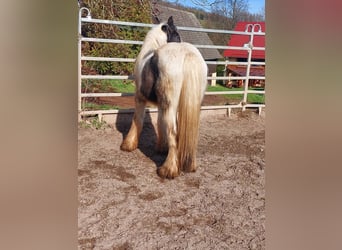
(177, 51)
(174, 57)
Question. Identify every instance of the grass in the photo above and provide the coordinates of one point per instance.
(251, 98)
(95, 106)
(123, 87)
(218, 87)
(93, 122)
(105, 86)
(256, 98)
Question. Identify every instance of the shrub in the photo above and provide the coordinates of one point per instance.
(123, 10)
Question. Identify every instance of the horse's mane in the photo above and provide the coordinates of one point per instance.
(159, 35)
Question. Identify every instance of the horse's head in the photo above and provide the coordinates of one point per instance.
(158, 36)
(171, 31)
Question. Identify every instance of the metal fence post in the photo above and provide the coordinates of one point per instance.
(249, 60)
(79, 36)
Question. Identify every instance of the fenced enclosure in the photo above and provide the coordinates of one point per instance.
(251, 31)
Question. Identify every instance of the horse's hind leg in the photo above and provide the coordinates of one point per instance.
(130, 143)
(167, 134)
(162, 142)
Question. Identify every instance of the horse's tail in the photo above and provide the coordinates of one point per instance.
(190, 100)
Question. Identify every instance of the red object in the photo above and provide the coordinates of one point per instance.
(241, 70)
(240, 40)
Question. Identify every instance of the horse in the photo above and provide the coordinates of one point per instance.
(172, 75)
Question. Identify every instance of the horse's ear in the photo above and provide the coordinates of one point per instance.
(170, 21)
(156, 20)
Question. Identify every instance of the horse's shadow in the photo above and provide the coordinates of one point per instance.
(148, 137)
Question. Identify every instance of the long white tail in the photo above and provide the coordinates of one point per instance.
(191, 96)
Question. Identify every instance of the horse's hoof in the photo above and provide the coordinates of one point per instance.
(166, 172)
(127, 146)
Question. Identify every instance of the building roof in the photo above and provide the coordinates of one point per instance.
(241, 70)
(240, 40)
(188, 19)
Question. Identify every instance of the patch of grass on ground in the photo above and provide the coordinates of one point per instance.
(256, 98)
(108, 86)
(218, 87)
(93, 122)
(251, 98)
(120, 86)
(95, 106)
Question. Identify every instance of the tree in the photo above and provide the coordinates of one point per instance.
(234, 10)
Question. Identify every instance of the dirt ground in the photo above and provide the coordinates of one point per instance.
(123, 204)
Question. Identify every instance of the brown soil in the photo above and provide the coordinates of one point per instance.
(123, 204)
